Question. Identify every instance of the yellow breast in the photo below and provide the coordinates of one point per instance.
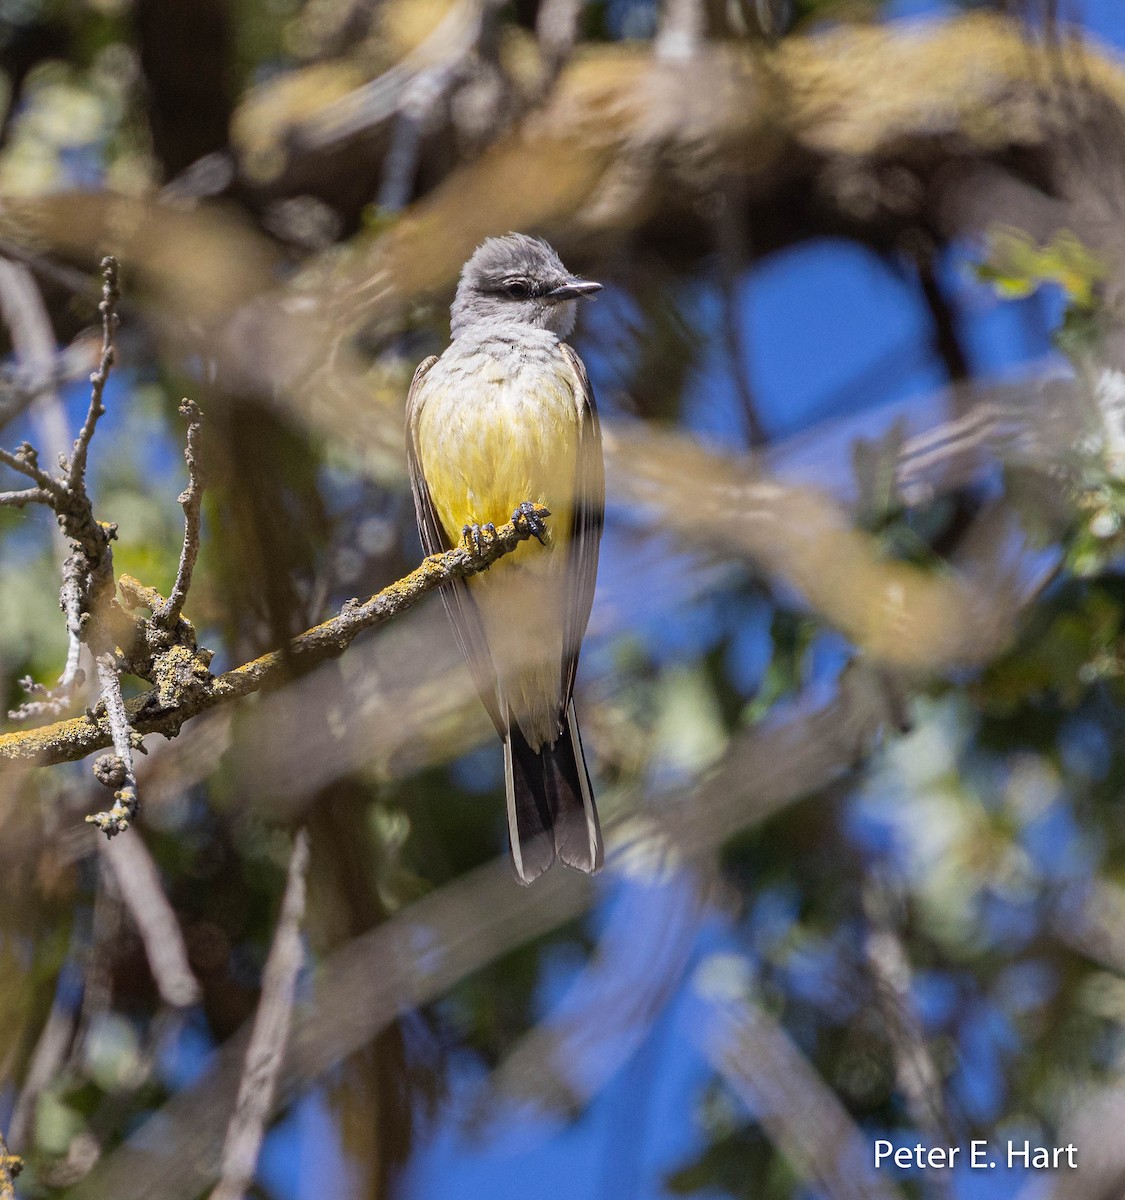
(491, 437)
(492, 434)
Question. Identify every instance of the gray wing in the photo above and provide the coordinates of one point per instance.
(459, 604)
(586, 527)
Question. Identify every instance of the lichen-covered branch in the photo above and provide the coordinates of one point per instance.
(10, 1167)
(125, 798)
(184, 687)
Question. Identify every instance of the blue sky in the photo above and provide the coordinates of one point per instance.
(830, 330)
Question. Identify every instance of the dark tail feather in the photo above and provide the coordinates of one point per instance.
(551, 806)
(530, 819)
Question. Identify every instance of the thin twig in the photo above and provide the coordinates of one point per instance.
(269, 1037)
(734, 252)
(25, 460)
(192, 500)
(22, 499)
(76, 474)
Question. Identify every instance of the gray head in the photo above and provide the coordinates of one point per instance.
(520, 280)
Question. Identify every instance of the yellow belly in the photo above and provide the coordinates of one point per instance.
(484, 449)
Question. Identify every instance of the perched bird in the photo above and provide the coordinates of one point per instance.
(505, 420)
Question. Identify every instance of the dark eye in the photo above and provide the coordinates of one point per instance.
(517, 289)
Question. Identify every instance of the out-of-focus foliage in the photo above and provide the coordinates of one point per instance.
(876, 881)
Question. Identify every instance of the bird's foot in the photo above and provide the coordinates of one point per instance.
(528, 518)
(475, 536)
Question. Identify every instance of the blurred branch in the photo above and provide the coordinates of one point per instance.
(915, 1071)
(900, 614)
(269, 1036)
(1091, 920)
(371, 104)
(733, 258)
(49, 1054)
(680, 31)
(556, 30)
(796, 1108)
(439, 940)
(138, 881)
(33, 344)
(186, 688)
(1092, 1124)
(622, 138)
(610, 1008)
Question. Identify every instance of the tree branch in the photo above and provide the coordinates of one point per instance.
(76, 473)
(192, 500)
(10, 1167)
(184, 687)
(269, 1037)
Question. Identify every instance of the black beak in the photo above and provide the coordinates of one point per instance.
(574, 289)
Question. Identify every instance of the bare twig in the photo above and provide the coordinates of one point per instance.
(25, 460)
(191, 499)
(87, 571)
(22, 499)
(76, 473)
(165, 708)
(269, 1037)
(70, 601)
(139, 884)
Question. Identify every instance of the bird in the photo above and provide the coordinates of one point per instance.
(503, 421)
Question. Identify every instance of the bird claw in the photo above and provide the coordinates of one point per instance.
(474, 536)
(528, 518)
